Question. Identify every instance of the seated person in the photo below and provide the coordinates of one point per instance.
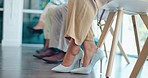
(57, 39)
(81, 14)
(45, 23)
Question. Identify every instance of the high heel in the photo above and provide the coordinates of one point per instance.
(61, 68)
(86, 70)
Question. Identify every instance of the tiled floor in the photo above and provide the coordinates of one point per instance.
(18, 62)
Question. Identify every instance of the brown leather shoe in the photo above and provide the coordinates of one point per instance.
(41, 50)
(57, 58)
(45, 49)
(47, 53)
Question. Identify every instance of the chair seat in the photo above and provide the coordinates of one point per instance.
(129, 6)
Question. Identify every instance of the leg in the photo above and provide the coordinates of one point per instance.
(89, 48)
(39, 25)
(46, 43)
(55, 19)
(91, 56)
(48, 25)
(120, 47)
(106, 28)
(144, 17)
(136, 34)
(57, 32)
(47, 17)
(141, 59)
(114, 43)
(43, 20)
(72, 51)
(104, 44)
(78, 29)
(63, 42)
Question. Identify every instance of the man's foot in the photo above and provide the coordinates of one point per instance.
(46, 53)
(57, 58)
(47, 49)
(39, 26)
(32, 30)
(41, 50)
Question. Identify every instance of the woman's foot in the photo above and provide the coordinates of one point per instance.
(75, 64)
(87, 70)
(72, 51)
(71, 59)
(91, 56)
(89, 49)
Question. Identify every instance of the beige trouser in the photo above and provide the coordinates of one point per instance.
(46, 17)
(57, 33)
(81, 14)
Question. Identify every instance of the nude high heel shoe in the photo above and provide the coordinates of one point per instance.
(86, 70)
(61, 68)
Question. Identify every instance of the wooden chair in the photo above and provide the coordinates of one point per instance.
(119, 7)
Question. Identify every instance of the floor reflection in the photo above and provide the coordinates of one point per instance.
(18, 62)
(11, 62)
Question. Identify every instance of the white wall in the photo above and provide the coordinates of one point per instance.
(12, 26)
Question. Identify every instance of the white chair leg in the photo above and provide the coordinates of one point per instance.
(141, 59)
(114, 42)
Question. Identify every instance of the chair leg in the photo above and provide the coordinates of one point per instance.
(136, 34)
(144, 17)
(106, 28)
(121, 48)
(104, 45)
(114, 42)
(141, 59)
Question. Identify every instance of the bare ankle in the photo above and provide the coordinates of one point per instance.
(73, 48)
(72, 51)
(89, 48)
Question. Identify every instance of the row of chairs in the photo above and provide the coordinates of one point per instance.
(118, 8)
